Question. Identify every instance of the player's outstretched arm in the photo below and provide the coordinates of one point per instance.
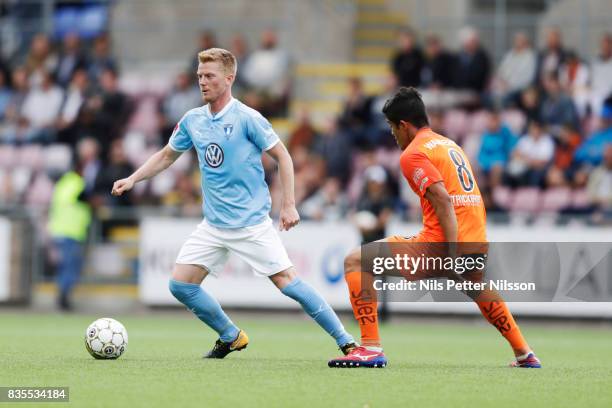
(289, 216)
(153, 166)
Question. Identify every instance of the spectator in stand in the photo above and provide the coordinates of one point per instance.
(41, 109)
(562, 169)
(75, 97)
(574, 76)
(327, 204)
(557, 107)
(590, 152)
(438, 66)
(550, 57)
(304, 135)
(380, 132)
(601, 83)
(117, 168)
(495, 150)
(112, 109)
(40, 60)
(240, 50)
(334, 147)
(473, 63)
(101, 58)
(185, 197)
(183, 97)
(356, 114)
(206, 39)
(529, 104)
(375, 206)
(14, 125)
(266, 72)
(517, 69)
(6, 94)
(89, 163)
(309, 177)
(408, 60)
(531, 157)
(599, 188)
(70, 59)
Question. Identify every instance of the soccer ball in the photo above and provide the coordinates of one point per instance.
(106, 338)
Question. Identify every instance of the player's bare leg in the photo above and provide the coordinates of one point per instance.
(185, 286)
(314, 305)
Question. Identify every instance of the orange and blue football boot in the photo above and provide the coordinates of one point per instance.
(360, 356)
(531, 361)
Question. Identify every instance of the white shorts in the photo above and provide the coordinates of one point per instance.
(258, 245)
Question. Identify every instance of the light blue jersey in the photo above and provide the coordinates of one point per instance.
(229, 147)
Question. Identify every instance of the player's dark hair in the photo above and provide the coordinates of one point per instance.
(406, 105)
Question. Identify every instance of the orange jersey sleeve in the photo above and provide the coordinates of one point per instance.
(419, 171)
(431, 158)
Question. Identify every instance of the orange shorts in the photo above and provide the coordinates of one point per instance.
(433, 257)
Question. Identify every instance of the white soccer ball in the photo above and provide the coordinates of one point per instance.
(106, 338)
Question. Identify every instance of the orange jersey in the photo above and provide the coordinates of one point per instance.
(431, 158)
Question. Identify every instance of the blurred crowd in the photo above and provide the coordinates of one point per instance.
(537, 127)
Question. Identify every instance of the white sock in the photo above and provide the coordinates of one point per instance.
(524, 356)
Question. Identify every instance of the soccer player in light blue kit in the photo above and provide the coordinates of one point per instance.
(229, 138)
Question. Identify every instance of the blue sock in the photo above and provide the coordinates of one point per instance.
(317, 308)
(205, 307)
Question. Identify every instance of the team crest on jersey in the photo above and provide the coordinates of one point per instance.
(227, 129)
(213, 155)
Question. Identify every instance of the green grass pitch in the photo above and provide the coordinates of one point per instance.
(431, 364)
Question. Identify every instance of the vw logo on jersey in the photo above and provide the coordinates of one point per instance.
(227, 129)
(214, 155)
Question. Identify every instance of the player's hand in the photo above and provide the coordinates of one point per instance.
(121, 186)
(289, 218)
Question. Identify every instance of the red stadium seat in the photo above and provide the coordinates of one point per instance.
(471, 147)
(30, 156)
(57, 157)
(580, 199)
(555, 199)
(456, 123)
(7, 156)
(525, 200)
(502, 196)
(145, 117)
(478, 121)
(515, 120)
(20, 179)
(40, 191)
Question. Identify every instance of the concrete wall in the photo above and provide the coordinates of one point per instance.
(164, 33)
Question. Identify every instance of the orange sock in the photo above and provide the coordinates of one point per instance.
(495, 310)
(365, 306)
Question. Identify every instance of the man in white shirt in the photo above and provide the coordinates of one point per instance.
(601, 81)
(517, 69)
(531, 156)
(41, 108)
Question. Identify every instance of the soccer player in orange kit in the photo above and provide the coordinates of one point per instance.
(453, 216)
